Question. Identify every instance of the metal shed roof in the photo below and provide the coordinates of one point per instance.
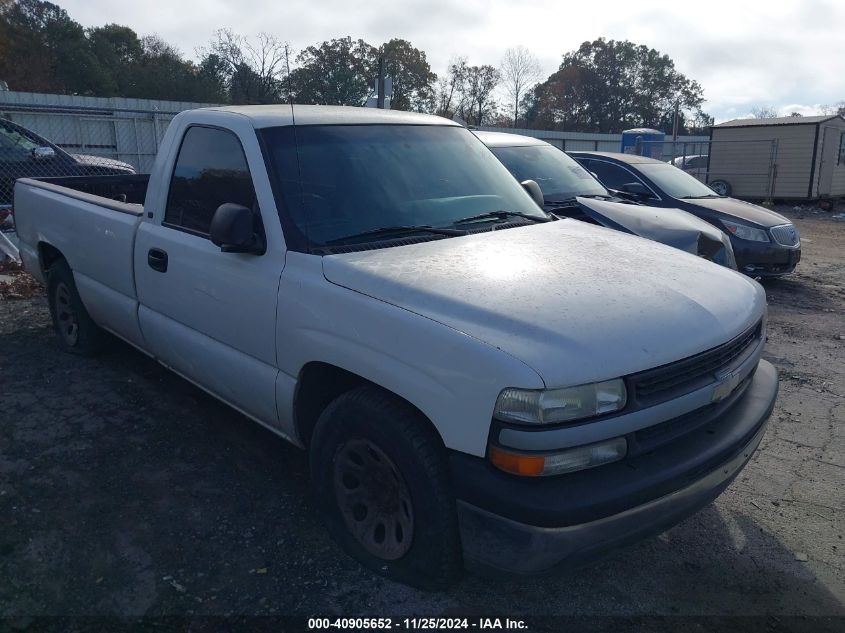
(783, 120)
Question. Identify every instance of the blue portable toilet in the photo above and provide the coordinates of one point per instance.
(643, 141)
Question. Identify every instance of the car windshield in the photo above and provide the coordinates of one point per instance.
(558, 175)
(675, 182)
(338, 181)
(14, 143)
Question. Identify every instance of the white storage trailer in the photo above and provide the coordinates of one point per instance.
(785, 157)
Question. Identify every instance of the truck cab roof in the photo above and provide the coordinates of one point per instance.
(279, 115)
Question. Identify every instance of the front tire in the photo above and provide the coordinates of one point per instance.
(76, 331)
(381, 476)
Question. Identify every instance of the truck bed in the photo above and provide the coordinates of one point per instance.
(96, 234)
(129, 188)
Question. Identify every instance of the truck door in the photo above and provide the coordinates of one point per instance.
(206, 314)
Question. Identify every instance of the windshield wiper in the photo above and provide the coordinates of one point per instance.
(399, 230)
(598, 196)
(709, 195)
(503, 215)
(573, 199)
(560, 202)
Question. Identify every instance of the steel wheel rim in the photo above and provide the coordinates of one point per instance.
(719, 188)
(66, 315)
(373, 499)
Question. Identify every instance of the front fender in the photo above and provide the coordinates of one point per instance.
(454, 379)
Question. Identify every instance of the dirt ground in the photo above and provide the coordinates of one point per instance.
(126, 491)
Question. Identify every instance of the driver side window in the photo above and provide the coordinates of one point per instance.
(210, 170)
(611, 176)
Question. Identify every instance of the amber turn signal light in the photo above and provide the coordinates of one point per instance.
(525, 465)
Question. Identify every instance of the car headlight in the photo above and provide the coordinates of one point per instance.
(745, 232)
(549, 406)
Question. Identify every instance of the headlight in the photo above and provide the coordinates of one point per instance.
(550, 406)
(744, 232)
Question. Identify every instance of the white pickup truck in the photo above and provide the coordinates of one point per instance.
(475, 381)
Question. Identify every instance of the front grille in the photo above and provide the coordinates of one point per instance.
(685, 375)
(786, 235)
(651, 437)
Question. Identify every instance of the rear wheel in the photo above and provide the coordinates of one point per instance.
(77, 332)
(722, 187)
(381, 476)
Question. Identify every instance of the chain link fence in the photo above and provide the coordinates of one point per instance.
(48, 141)
(741, 168)
(38, 141)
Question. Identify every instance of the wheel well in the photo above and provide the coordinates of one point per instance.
(320, 383)
(48, 255)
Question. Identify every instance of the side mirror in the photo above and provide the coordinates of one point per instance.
(637, 189)
(43, 153)
(233, 229)
(534, 191)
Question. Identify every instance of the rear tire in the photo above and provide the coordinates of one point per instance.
(722, 187)
(76, 331)
(382, 479)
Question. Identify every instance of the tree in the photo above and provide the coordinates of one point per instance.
(253, 71)
(519, 70)
(43, 50)
(117, 49)
(836, 108)
(212, 77)
(764, 112)
(698, 123)
(54, 47)
(795, 114)
(450, 88)
(413, 81)
(609, 85)
(336, 72)
(479, 84)
(467, 92)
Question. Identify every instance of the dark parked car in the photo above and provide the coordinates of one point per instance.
(765, 243)
(25, 154)
(568, 190)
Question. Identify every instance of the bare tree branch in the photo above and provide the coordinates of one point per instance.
(519, 70)
(764, 112)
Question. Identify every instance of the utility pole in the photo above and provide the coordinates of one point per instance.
(675, 122)
(380, 84)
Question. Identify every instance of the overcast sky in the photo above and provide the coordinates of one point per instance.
(782, 53)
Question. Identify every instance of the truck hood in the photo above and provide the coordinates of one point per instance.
(672, 227)
(575, 302)
(742, 210)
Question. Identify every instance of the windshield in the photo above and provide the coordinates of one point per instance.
(558, 175)
(355, 178)
(675, 182)
(14, 144)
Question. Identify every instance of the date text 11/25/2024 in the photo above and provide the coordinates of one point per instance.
(414, 624)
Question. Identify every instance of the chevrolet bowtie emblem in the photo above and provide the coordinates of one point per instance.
(725, 385)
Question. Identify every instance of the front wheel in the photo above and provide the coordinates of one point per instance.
(722, 187)
(77, 332)
(381, 476)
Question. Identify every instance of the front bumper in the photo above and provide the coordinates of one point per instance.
(493, 540)
(765, 259)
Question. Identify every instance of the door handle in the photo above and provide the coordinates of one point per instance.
(157, 259)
